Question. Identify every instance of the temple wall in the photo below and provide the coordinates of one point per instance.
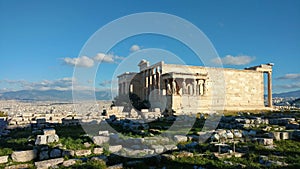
(230, 89)
(197, 89)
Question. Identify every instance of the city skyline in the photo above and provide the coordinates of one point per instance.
(41, 41)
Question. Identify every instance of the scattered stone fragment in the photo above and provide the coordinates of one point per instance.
(100, 140)
(83, 152)
(264, 141)
(19, 166)
(117, 166)
(87, 145)
(184, 154)
(171, 147)
(48, 163)
(115, 148)
(284, 136)
(237, 134)
(103, 133)
(41, 139)
(69, 162)
(3, 159)
(180, 138)
(98, 150)
(52, 138)
(24, 156)
(48, 132)
(229, 135)
(158, 148)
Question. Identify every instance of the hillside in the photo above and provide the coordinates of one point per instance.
(295, 94)
(50, 95)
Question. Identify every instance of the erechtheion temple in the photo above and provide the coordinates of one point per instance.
(182, 88)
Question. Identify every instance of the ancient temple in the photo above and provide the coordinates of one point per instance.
(182, 88)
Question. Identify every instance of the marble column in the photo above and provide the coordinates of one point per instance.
(123, 88)
(198, 87)
(130, 88)
(126, 87)
(157, 79)
(120, 88)
(153, 81)
(270, 102)
(149, 86)
(204, 88)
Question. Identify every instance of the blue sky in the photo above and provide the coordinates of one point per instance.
(40, 39)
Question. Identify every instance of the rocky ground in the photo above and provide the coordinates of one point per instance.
(241, 140)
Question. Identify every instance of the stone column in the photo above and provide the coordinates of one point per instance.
(145, 84)
(157, 79)
(126, 88)
(142, 80)
(198, 87)
(204, 88)
(130, 88)
(153, 82)
(123, 88)
(120, 88)
(149, 77)
(270, 103)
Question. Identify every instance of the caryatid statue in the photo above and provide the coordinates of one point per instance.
(169, 91)
(183, 87)
(174, 90)
(194, 83)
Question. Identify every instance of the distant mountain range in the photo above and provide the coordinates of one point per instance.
(51, 95)
(57, 95)
(295, 94)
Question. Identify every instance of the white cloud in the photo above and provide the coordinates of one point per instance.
(101, 57)
(58, 84)
(119, 57)
(82, 61)
(135, 48)
(292, 76)
(85, 61)
(108, 58)
(234, 60)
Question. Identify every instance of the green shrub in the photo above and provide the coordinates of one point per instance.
(90, 164)
(5, 151)
(3, 114)
(72, 144)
